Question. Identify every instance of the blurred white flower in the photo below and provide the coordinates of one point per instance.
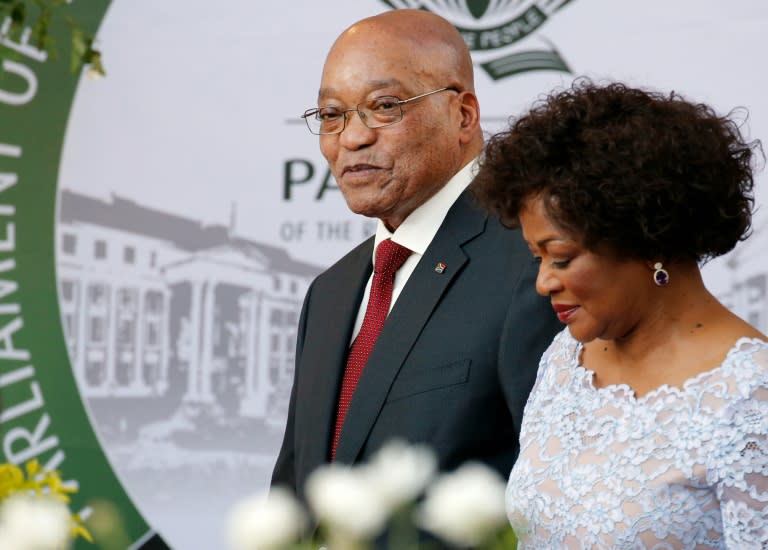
(266, 521)
(346, 503)
(465, 507)
(399, 472)
(34, 523)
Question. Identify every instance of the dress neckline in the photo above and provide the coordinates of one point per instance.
(625, 391)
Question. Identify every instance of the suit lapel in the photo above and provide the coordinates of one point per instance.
(326, 357)
(405, 322)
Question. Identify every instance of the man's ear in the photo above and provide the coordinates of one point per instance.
(470, 115)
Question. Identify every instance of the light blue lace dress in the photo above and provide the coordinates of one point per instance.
(674, 469)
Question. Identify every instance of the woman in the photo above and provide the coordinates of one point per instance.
(648, 423)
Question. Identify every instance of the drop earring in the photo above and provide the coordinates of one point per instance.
(660, 276)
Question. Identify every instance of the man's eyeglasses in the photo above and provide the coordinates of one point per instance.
(375, 113)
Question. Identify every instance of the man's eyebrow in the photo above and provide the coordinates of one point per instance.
(371, 85)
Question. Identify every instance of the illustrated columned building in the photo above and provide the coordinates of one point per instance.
(161, 307)
(748, 292)
(748, 298)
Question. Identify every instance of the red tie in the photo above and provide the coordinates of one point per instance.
(389, 257)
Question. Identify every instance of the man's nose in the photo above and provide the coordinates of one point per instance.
(356, 134)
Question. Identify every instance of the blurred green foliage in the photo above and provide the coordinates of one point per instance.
(33, 20)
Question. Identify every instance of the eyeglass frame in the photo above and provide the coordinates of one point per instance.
(399, 102)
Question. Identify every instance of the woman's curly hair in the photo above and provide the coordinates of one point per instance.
(651, 176)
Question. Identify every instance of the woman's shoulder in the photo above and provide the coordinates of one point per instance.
(741, 431)
(731, 352)
(737, 391)
(747, 364)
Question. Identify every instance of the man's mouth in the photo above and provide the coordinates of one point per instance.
(355, 168)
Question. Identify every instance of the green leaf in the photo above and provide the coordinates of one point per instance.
(18, 13)
(41, 30)
(79, 47)
(96, 69)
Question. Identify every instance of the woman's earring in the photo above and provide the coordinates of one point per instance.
(660, 276)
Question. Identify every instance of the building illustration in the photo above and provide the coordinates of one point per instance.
(747, 291)
(165, 317)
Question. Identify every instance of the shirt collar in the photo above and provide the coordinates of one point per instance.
(417, 230)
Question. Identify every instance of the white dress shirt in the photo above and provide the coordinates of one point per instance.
(416, 233)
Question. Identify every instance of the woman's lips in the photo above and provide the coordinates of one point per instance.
(564, 311)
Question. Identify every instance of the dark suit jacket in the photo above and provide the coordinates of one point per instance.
(452, 367)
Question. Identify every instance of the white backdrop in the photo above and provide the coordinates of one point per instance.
(198, 119)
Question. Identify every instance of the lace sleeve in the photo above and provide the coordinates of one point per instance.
(739, 472)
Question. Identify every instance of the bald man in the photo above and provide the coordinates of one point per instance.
(399, 124)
